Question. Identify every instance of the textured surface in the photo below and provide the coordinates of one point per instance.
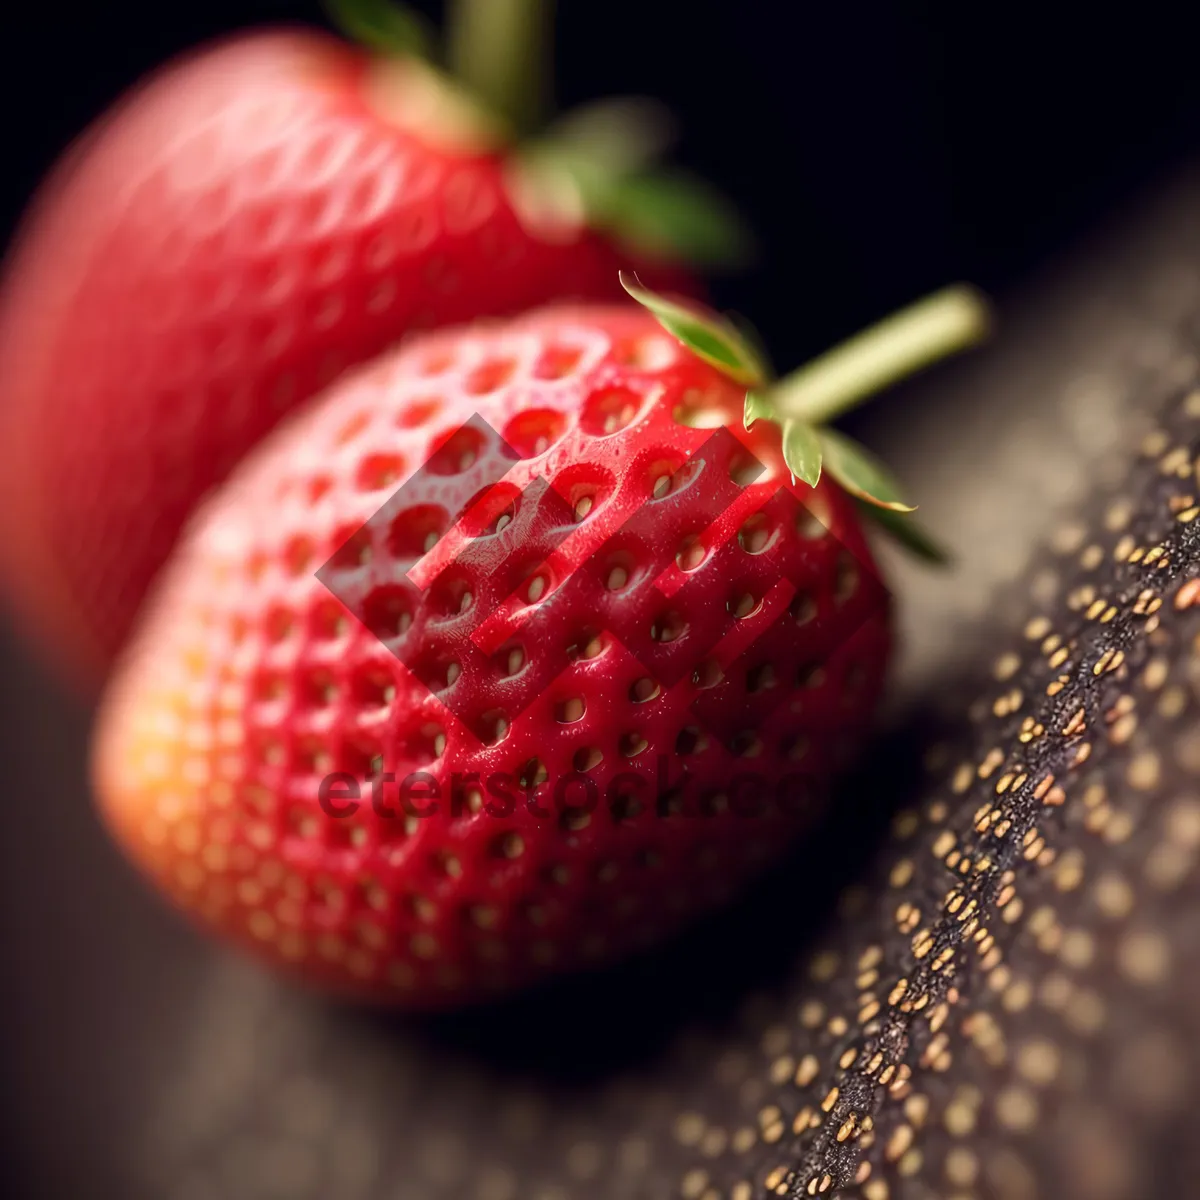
(1061, 1065)
(230, 238)
(580, 659)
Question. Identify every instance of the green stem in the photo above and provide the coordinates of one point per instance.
(941, 324)
(498, 49)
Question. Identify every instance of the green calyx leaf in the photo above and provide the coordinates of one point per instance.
(860, 472)
(606, 153)
(802, 403)
(614, 137)
(758, 407)
(751, 338)
(801, 442)
(908, 531)
(710, 338)
(383, 25)
(674, 215)
(802, 451)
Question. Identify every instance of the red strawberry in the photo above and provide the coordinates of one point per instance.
(234, 234)
(509, 727)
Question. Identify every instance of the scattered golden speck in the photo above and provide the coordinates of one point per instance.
(961, 1167)
(1037, 628)
(1145, 771)
(782, 1069)
(807, 1071)
(1016, 1109)
(959, 1119)
(1183, 823)
(1039, 1062)
(689, 1128)
(1188, 595)
(1006, 666)
(1167, 865)
(899, 1142)
(1144, 957)
(1085, 1012)
(943, 844)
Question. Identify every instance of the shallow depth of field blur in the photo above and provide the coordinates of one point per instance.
(878, 150)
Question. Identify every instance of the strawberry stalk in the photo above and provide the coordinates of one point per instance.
(498, 49)
(804, 402)
(885, 353)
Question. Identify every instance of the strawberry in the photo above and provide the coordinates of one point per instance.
(239, 230)
(555, 633)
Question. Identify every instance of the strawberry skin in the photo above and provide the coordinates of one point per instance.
(243, 227)
(290, 642)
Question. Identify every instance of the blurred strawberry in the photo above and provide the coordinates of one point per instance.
(592, 633)
(247, 224)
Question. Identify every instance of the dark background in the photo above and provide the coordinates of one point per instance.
(879, 150)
